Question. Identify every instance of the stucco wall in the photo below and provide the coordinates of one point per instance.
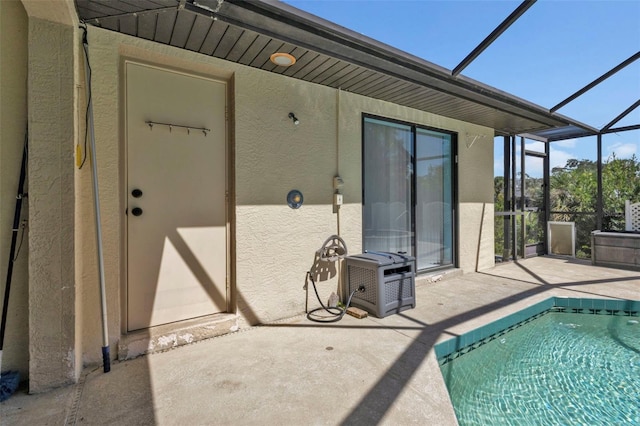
(13, 121)
(52, 134)
(475, 195)
(475, 174)
(275, 245)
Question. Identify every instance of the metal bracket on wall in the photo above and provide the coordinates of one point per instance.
(204, 130)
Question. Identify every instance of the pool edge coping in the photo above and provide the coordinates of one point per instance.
(468, 341)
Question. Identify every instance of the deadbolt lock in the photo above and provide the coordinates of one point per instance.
(136, 193)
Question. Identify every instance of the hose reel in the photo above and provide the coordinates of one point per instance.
(333, 249)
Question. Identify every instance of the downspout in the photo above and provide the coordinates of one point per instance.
(337, 192)
(106, 359)
(337, 179)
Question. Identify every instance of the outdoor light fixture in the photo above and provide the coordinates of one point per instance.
(295, 199)
(282, 59)
(294, 118)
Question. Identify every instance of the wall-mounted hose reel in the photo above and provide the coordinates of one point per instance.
(333, 249)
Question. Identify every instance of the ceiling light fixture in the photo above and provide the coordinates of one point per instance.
(282, 59)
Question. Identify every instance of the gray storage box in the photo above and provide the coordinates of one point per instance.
(388, 280)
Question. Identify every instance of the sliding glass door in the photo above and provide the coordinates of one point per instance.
(434, 199)
(408, 181)
(388, 182)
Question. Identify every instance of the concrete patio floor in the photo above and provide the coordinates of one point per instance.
(356, 371)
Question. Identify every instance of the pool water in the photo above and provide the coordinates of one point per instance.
(559, 369)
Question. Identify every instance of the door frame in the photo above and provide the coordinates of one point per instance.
(200, 71)
(514, 238)
(454, 186)
(539, 247)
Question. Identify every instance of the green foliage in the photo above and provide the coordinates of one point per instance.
(574, 190)
(574, 187)
(573, 196)
(620, 182)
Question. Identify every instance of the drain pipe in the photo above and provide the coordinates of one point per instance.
(337, 186)
(337, 179)
(106, 358)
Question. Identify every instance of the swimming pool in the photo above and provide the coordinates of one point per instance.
(562, 361)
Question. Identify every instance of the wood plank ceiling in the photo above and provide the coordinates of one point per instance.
(332, 56)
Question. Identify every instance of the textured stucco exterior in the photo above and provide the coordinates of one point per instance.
(475, 174)
(13, 122)
(52, 132)
(273, 246)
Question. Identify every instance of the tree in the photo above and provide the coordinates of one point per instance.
(620, 182)
(574, 191)
(573, 197)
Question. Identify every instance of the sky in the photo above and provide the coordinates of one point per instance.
(553, 50)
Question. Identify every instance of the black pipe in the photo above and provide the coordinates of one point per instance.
(14, 239)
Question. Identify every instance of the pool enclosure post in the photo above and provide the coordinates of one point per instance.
(506, 221)
(522, 212)
(599, 203)
(514, 221)
(546, 190)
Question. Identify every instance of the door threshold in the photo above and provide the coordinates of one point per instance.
(169, 336)
(439, 275)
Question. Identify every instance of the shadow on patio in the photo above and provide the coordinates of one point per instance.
(368, 371)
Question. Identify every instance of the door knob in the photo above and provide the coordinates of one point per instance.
(136, 211)
(136, 193)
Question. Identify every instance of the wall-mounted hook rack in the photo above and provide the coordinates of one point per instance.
(150, 123)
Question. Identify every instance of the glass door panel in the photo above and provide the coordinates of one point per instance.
(408, 192)
(434, 196)
(534, 208)
(388, 179)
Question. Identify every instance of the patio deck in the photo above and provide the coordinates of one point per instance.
(369, 371)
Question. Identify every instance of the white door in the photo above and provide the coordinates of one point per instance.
(176, 200)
